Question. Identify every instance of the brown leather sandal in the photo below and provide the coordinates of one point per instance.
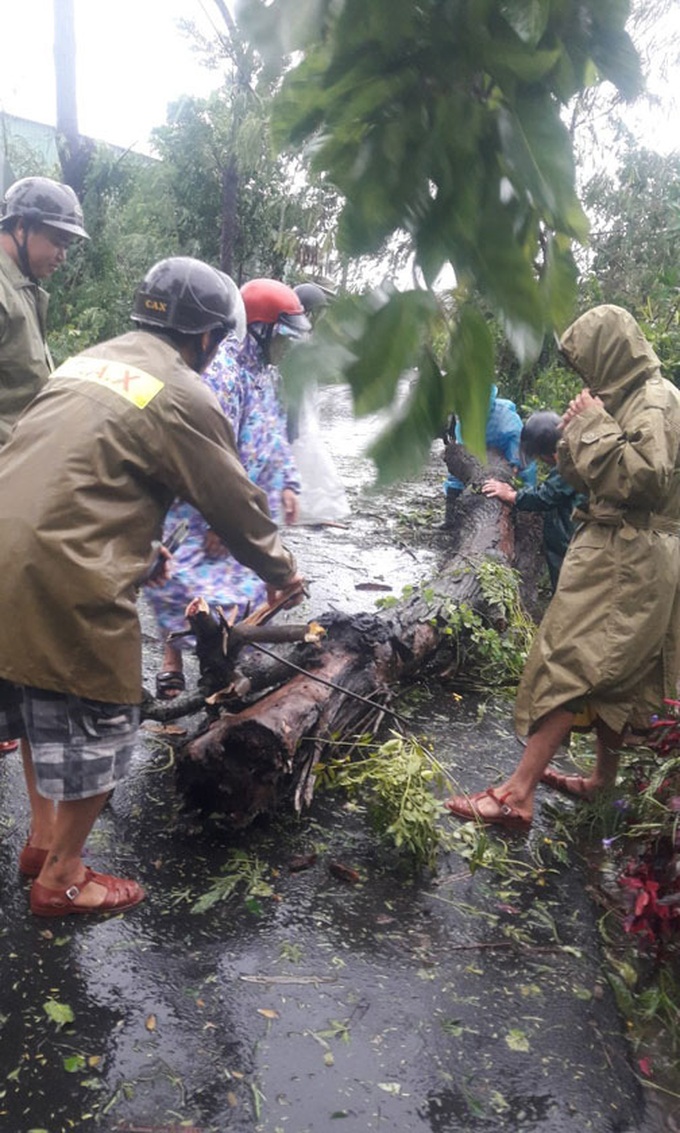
(572, 785)
(121, 895)
(508, 816)
(31, 860)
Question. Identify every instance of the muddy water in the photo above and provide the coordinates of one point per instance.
(459, 1002)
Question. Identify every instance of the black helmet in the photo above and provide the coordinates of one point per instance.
(540, 434)
(39, 200)
(312, 297)
(186, 295)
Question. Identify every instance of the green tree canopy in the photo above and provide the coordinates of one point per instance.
(634, 257)
(442, 119)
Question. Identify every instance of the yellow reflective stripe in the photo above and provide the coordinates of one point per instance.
(133, 384)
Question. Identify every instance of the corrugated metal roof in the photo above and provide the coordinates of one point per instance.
(25, 144)
(22, 142)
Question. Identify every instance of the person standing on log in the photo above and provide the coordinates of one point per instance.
(39, 218)
(609, 643)
(91, 469)
(554, 498)
(244, 378)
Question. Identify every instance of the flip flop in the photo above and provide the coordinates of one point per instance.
(121, 895)
(508, 816)
(572, 785)
(8, 745)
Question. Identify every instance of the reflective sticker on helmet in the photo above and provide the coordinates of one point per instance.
(133, 384)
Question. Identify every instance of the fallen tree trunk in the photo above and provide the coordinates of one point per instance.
(259, 747)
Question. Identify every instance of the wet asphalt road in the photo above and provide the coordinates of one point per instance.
(451, 1003)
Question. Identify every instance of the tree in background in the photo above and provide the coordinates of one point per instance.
(219, 193)
(131, 220)
(634, 258)
(630, 194)
(203, 153)
(75, 151)
(229, 188)
(442, 120)
(251, 211)
(128, 215)
(443, 133)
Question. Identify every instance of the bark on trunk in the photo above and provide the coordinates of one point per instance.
(229, 221)
(75, 152)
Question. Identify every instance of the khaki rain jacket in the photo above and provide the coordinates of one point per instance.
(85, 482)
(610, 635)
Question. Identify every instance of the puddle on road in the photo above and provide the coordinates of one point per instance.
(388, 539)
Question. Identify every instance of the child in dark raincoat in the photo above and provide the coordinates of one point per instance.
(554, 497)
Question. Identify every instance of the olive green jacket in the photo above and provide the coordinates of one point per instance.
(25, 362)
(85, 482)
(610, 635)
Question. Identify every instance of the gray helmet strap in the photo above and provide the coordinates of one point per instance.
(22, 252)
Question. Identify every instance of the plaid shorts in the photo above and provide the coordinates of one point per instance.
(80, 747)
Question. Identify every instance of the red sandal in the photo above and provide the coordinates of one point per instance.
(508, 816)
(31, 860)
(121, 895)
(572, 785)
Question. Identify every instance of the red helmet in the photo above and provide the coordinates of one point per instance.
(269, 301)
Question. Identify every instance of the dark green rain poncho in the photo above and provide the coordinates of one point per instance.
(609, 639)
(555, 500)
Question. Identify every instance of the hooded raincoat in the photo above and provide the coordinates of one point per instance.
(86, 479)
(609, 639)
(503, 433)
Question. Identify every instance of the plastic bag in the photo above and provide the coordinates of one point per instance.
(322, 496)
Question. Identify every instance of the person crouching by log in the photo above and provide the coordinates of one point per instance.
(609, 641)
(553, 497)
(91, 469)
